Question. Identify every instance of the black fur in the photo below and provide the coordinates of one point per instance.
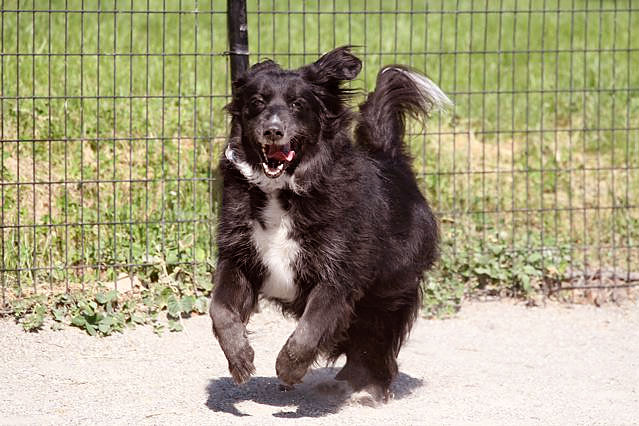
(364, 231)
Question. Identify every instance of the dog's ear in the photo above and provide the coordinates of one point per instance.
(266, 65)
(334, 67)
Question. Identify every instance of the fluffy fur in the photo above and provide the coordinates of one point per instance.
(322, 214)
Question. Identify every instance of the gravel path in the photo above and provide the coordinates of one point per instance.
(495, 363)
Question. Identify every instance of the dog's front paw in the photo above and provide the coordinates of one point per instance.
(241, 364)
(292, 363)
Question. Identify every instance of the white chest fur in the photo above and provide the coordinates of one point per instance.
(277, 250)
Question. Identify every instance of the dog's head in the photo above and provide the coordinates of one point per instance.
(281, 118)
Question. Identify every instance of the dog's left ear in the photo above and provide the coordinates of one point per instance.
(334, 67)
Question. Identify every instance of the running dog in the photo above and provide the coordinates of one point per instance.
(322, 214)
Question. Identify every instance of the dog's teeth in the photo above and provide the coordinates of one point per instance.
(273, 172)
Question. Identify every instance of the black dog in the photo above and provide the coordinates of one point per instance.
(327, 221)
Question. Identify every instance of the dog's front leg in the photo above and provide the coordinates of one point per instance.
(232, 302)
(324, 316)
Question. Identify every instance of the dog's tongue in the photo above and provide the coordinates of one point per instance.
(280, 152)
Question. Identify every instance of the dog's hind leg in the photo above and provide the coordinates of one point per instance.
(232, 303)
(360, 373)
(373, 343)
(370, 365)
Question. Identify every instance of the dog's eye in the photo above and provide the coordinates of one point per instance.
(257, 103)
(297, 105)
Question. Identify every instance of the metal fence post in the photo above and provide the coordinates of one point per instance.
(238, 37)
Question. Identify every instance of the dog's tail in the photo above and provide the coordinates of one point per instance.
(399, 92)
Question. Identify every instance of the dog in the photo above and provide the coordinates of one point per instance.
(322, 214)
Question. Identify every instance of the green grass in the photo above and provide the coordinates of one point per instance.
(108, 159)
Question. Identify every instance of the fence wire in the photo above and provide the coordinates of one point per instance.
(111, 124)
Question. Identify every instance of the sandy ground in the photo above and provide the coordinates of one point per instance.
(495, 363)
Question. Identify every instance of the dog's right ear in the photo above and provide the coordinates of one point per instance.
(234, 151)
(266, 65)
(332, 68)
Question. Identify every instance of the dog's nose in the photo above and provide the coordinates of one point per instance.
(274, 131)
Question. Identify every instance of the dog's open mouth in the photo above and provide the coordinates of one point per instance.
(276, 158)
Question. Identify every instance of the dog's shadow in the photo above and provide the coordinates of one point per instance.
(318, 396)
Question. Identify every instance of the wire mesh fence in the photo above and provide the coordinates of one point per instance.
(112, 124)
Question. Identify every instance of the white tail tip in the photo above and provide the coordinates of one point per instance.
(429, 90)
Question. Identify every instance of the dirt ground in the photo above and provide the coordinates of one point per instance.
(495, 363)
